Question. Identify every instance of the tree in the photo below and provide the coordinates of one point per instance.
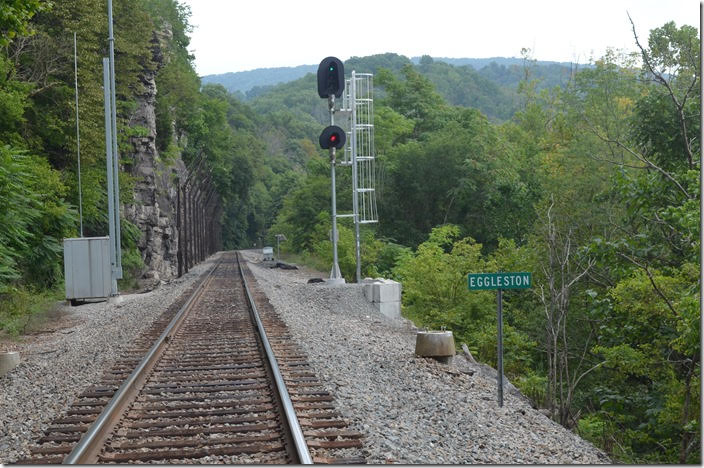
(15, 17)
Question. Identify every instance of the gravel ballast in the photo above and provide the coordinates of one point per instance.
(412, 410)
(57, 366)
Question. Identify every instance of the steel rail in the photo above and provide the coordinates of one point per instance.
(299, 440)
(85, 451)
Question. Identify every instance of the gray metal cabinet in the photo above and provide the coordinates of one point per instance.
(87, 268)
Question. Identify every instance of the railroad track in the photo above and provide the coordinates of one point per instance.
(201, 385)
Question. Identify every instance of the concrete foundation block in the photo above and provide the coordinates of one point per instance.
(435, 344)
(389, 309)
(8, 361)
(382, 290)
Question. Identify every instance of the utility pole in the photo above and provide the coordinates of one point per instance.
(115, 155)
(78, 134)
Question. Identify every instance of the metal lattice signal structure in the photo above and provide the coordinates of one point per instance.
(358, 104)
(359, 152)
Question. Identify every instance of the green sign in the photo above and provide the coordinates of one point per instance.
(478, 281)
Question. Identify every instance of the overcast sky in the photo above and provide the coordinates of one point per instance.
(231, 35)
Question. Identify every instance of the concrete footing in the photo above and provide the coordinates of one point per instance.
(385, 295)
(335, 281)
(436, 344)
(8, 361)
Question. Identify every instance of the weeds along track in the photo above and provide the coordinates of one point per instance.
(204, 391)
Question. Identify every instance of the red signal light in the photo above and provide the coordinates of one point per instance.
(332, 137)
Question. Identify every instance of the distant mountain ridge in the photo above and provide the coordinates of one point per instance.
(479, 63)
(492, 88)
(245, 81)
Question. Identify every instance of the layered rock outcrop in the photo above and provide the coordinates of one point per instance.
(153, 209)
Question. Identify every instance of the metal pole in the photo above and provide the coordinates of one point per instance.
(109, 167)
(116, 156)
(186, 224)
(179, 252)
(196, 220)
(500, 346)
(196, 226)
(199, 225)
(201, 231)
(78, 134)
(701, 139)
(335, 272)
(192, 235)
(355, 185)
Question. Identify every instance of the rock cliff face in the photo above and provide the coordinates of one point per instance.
(154, 206)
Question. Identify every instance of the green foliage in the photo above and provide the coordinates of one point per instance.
(33, 220)
(22, 304)
(435, 296)
(492, 88)
(591, 183)
(15, 16)
(534, 387)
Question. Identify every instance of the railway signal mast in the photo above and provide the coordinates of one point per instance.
(358, 104)
(331, 83)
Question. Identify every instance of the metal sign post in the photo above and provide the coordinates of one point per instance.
(500, 346)
(499, 281)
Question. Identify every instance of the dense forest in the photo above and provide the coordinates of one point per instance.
(491, 85)
(591, 183)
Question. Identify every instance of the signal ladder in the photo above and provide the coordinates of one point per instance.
(358, 105)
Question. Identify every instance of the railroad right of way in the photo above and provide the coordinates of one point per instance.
(207, 388)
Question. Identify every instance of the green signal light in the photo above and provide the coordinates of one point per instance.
(332, 68)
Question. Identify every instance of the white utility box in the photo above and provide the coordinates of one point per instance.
(87, 268)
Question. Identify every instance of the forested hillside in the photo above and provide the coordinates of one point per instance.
(593, 186)
(243, 82)
(39, 200)
(589, 181)
(490, 85)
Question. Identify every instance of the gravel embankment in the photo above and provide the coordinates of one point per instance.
(57, 366)
(412, 410)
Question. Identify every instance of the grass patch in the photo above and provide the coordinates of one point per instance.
(21, 304)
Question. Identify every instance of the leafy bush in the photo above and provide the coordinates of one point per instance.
(534, 387)
(435, 296)
(33, 220)
(19, 305)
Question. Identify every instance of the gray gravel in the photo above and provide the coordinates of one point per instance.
(412, 410)
(57, 366)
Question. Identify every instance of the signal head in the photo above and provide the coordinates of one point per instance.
(331, 77)
(332, 137)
